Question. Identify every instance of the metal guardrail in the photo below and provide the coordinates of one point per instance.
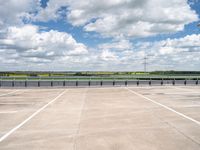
(93, 83)
(135, 77)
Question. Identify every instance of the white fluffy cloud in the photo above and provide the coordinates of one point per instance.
(12, 12)
(108, 56)
(181, 53)
(117, 45)
(28, 44)
(55, 50)
(24, 45)
(171, 54)
(124, 18)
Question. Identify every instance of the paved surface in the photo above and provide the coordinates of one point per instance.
(133, 118)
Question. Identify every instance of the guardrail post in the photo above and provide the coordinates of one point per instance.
(63, 83)
(38, 83)
(185, 82)
(197, 82)
(51, 83)
(13, 83)
(150, 82)
(89, 83)
(173, 82)
(101, 83)
(76, 83)
(26, 83)
(162, 82)
(125, 83)
(113, 83)
(138, 83)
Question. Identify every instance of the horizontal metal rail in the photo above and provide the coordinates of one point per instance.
(135, 77)
(90, 83)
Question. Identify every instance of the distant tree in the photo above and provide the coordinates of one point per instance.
(78, 74)
(33, 75)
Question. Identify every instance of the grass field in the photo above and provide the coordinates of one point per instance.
(99, 76)
(135, 77)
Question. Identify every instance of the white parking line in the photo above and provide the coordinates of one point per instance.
(166, 107)
(8, 112)
(187, 90)
(9, 93)
(20, 92)
(16, 103)
(30, 117)
(183, 93)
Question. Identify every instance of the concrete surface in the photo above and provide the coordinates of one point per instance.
(120, 118)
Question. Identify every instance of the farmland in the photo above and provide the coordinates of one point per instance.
(26, 75)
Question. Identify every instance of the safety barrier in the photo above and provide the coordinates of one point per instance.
(94, 83)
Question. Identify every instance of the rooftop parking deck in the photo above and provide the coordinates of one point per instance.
(107, 118)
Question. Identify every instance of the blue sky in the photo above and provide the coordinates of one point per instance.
(92, 35)
(80, 35)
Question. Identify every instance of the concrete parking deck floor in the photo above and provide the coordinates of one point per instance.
(132, 118)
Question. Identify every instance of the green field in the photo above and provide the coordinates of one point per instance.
(157, 75)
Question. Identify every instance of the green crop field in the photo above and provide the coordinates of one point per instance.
(58, 76)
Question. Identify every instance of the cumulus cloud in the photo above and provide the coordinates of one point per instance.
(24, 45)
(124, 18)
(170, 54)
(40, 50)
(13, 12)
(121, 45)
(108, 56)
(28, 44)
(180, 53)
